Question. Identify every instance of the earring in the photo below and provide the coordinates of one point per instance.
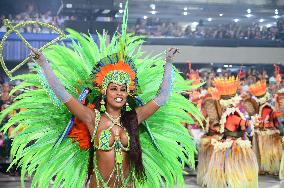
(103, 108)
(128, 107)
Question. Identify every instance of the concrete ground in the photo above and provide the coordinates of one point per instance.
(264, 182)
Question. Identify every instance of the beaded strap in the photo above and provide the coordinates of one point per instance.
(97, 121)
(128, 143)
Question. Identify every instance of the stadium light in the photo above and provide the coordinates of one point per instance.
(185, 8)
(145, 17)
(153, 6)
(194, 23)
(249, 11)
(261, 20)
(236, 20)
(249, 15)
(120, 11)
(209, 19)
(220, 14)
(276, 16)
(106, 11)
(185, 13)
(69, 5)
(153, 12)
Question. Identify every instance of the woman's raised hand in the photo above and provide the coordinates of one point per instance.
(38, 56)
(170, 53)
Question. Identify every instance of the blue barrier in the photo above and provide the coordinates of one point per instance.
(31, 36)
(16, 50)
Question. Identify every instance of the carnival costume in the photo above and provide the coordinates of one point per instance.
(205, 148)
(195, 96)
(266, 141)
(279, 105)
(48, 150)
(232, 162)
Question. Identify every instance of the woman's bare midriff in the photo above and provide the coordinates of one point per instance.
(106, 164)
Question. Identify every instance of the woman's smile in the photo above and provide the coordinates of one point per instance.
(118, 99)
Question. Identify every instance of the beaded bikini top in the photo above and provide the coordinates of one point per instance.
(104, 140)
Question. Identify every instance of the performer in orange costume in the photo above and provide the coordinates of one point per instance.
(212, 129)
(232, 163)
(279, 106)
(267, 141)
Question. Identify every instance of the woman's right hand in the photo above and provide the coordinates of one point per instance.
(38, 57)
(170, 53)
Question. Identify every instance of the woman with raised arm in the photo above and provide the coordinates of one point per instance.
(104, 113)
(114, 131)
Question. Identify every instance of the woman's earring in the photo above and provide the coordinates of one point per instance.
(128, 107)
(103, 108)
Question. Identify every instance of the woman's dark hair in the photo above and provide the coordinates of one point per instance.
(130, 122)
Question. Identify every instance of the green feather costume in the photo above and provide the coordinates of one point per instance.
(37, 149)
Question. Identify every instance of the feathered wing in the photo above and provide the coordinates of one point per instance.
(35, 148)
(166, 144)
(173, 148)
(38, 129)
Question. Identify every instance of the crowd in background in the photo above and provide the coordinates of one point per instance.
(5, 139)
(157, 28)
(31, 13)
(249, 77)
(5, 100)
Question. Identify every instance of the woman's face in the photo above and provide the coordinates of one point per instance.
(116, 95)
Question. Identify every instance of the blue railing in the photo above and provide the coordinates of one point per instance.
(16, 50)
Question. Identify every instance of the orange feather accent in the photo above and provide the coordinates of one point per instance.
(80, 133)
(119, 66)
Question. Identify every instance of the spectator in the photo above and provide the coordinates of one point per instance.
(157, 27)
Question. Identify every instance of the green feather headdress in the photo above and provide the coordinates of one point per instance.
(118, 67)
